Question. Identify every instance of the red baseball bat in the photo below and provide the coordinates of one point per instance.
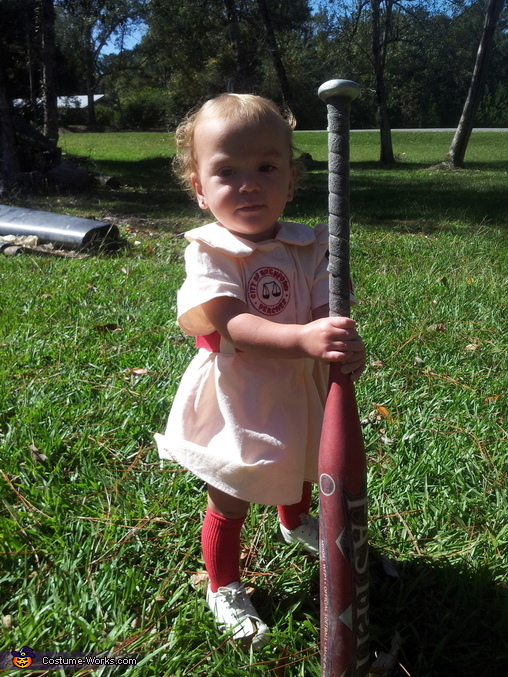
(342, 464)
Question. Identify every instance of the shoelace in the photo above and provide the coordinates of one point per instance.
(235, 597)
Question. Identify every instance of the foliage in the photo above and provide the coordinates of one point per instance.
(85, 28)
(493, 108)
(430, 51)
(99, 542)
(145, 108)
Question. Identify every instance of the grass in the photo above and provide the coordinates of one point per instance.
(100, 541)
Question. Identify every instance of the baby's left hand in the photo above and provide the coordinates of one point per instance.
(353, 362)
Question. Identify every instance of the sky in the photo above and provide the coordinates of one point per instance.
(130, 42)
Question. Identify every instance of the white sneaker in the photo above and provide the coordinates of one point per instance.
(234, 611)
(306, 535)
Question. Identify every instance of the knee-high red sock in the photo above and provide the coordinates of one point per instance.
(220, 540)
(289, 515)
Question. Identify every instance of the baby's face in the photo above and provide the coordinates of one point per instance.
(245, 175)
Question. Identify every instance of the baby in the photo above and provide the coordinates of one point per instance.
(247, 416)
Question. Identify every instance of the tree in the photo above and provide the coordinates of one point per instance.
(46, 28)
(457, 152)
(26, 57)
(237, 47)
(367, 30)
(242, 64)
(87, 26)
(9, 161)
(271, 43)
(379, 50)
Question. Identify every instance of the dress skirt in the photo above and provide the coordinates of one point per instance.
(248, 426)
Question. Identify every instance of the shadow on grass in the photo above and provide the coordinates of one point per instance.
(148, 189)
(407, 195)
(423, 199)
(149, 173)
(452, 619)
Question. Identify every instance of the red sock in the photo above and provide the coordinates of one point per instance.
(289, 515)
(220, 540)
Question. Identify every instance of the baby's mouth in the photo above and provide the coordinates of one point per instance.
(250, 208)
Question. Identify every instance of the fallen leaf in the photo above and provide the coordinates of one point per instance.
(137, 372)
(472, 346)
(493, 398)
(199, 580)
(37, 455)
(382, 411)
(377, 363)
(440, 326)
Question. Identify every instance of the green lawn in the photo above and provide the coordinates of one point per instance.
(100, 542)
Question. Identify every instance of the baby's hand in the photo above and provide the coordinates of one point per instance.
(335, 339)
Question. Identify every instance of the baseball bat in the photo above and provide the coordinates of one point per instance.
(342, 465)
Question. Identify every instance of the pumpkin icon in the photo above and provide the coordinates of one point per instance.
(23, 658)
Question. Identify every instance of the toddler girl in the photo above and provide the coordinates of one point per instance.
(247, 416)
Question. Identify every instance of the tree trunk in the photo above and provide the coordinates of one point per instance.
(90, 79)
(379, 60)
(273, 48)
(9, 161)
(457, 152)
(242, 69)
(49, 98)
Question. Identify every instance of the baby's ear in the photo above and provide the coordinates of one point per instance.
(291, 186)
(196, 184)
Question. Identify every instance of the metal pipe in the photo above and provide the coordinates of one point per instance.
(68, 232)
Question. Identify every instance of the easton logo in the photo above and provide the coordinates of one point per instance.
(268, 291)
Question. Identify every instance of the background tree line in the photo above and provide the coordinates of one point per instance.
(413, 59)
(285, 48)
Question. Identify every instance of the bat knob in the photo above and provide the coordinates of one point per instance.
(345, 88)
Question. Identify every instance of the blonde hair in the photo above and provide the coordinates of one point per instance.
(248, 107)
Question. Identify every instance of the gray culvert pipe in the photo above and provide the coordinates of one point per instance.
(68, 232)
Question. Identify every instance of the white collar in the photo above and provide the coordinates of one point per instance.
(221, 238)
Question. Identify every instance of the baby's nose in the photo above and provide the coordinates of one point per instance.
(249, 183)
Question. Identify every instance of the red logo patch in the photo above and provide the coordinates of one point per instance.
(268, 291)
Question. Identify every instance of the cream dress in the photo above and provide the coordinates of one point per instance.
(247, 425)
